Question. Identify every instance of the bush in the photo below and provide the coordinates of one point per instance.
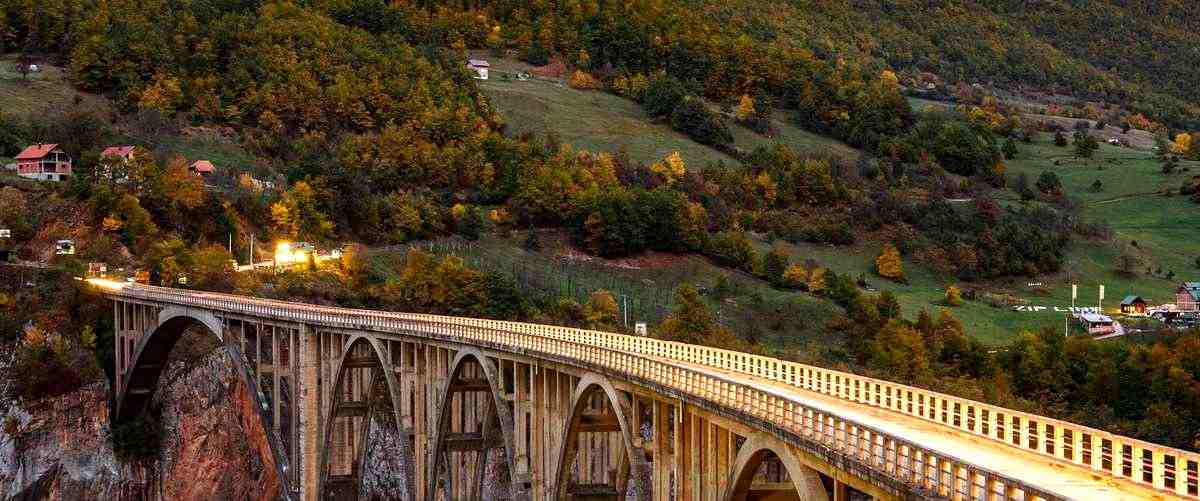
(953, 296)
(692, 117)
(662, 95)
(583, 81)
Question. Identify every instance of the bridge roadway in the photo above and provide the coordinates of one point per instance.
(931, 444)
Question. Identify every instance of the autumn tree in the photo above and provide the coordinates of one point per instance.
(796, 276)
(583, 80)
(900, 351)
(816, 281)
(745, 108)
(953, 296)
(297, 215)
(671, 168)
(691, 321)
(889, 264)
(601, 311)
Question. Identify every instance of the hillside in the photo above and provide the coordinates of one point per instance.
(1133, 54)
(601, 121)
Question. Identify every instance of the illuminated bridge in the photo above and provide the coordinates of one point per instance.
(483, 409)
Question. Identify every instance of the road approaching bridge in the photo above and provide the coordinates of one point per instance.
(483, 409)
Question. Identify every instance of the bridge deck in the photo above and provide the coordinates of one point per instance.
(768, 376)
(1052, 475)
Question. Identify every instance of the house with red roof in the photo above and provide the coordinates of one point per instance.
(112, 161)
(202, 168)
(44, 162)
(122, 152)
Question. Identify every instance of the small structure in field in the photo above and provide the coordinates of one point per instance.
(202, 168)
(64, 247)
(44, 162)
(479, 67)
(1097, 324)
(1133, 305)
(1187, 297)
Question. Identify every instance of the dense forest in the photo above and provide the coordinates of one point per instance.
(379, 135)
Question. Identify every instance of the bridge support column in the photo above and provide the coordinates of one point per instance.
(310, 413)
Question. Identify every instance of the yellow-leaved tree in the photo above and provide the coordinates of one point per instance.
(745, 109)
(1182, 145)
(953, 296)
(671, 168)
(889, 265)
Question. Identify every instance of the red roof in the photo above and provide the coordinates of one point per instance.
(36, 151)
(202, 166)
(116, 151)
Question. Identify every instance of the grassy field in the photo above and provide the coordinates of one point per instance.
(45, 88)
(600, 121)
(1165, 228)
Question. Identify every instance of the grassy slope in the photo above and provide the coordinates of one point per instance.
(599, 121)
(1165, 228)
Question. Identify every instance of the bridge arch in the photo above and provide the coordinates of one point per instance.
(363, 352)
(497, 417)
(140, 380)
(753, 453)
(616, 412)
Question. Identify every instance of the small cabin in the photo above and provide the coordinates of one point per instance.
(202, 168)
(1097, 324)
(479, 67)
(1133, 305)
(44, 162)
(1187, 297)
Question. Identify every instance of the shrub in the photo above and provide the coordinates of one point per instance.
(583, 81)
(692, 117)
(953, 296)
(888, 264)
(662, 95)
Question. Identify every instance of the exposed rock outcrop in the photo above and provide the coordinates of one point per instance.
(212, 444)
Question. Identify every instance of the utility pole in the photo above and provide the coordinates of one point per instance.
(251, 251)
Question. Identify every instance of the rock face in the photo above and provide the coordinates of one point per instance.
(212, 445)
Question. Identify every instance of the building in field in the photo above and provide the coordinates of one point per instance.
(1097, 324)
(202, 168)
(1133, 305)
(44, 162)
(479, 67)
(1187, 297)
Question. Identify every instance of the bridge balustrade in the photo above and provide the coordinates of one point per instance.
(640, 358)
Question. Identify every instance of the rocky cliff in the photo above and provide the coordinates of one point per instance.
(59, 448)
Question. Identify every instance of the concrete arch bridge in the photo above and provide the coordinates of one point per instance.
(378, 405)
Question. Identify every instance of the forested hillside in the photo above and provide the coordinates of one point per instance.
(1137, 54)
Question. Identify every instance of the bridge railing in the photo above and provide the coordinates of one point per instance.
(1163, 468)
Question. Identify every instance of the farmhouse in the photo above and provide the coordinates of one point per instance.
(1097, 324)
(1187, 297)
(44, 162)
(1133, 305)
(202, 168)
(479, 67)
